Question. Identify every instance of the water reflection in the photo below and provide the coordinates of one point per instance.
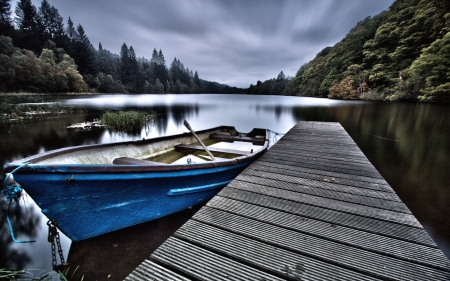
(410, 147)
(23, 225)
(408, 143)
(28, 224)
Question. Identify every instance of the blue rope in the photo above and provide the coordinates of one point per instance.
(13, 193)
(274, 139)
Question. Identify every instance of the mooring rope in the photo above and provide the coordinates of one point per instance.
(273, 139)
(13, 193)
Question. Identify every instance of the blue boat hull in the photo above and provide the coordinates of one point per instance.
(94, 189)
(88, 204)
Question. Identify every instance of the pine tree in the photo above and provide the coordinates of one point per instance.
(6, 27)
(133, 70)
(30, 34)
(196, 79)
(83, 53)
(129, 70)
(26, 16)
(281, 76)
(5, 12)
(161, 60)
(70, 30)
(52, 22)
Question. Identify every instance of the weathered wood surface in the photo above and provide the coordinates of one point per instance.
(312, 208)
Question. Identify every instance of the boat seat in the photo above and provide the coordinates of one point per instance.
(212, 149)
(215, 136)
(133, 161)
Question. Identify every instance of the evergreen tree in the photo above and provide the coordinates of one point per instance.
(83, 53)
(6, 27)
(105, 62)
(159, 88)
(129, 69)
(281, 76)
(30, 33)
(124, 63)
(133, 70)
(52, 22)
(161, 60)
(26, 16)
(70, 30)
(5, 12)
(196, 79)
(158, 69)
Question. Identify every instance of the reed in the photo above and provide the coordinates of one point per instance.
(12, 274)
(127, 121)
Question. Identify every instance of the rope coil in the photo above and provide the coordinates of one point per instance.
(13, 193)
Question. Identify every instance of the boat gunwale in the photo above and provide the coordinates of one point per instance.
(118, 168)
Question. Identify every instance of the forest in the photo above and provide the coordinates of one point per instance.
(41, 54)
(402, 54)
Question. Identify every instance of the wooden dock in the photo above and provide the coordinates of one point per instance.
(312, 208)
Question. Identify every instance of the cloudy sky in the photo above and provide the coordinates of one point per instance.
(232, 42)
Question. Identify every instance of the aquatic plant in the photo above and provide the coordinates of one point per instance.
(127, 121)
(12, 113)
(12, 274)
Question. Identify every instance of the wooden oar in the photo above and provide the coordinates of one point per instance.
(199, 140)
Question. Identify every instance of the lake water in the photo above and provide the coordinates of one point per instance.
(409, 144)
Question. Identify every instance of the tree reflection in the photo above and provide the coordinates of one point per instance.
(409, 145)
(25, 224)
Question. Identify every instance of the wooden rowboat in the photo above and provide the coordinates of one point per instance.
(94, 189)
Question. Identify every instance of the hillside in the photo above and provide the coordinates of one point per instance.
(400, 54)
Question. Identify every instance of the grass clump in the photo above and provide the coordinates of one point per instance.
(18, 275)
(127, 121)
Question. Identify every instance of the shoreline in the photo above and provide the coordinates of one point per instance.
(15, 94)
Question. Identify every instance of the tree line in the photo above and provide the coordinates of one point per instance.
(401, 54)
(274, 86)
(39, 53)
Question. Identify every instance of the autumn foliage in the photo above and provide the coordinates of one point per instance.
(344, 89)
(401, 54)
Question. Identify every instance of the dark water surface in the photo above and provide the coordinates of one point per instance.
(409, 144)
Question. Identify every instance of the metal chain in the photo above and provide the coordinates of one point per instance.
(53, 235)
(60, 251)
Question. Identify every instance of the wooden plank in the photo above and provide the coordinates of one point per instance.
(319, 155)
(236, 138)
(200, 264)
(149, 270)
(325, 203)
(399, 249)
(322, 167)
(323, 189)
(338, 196)
(316, 146)
(322, 175)
(274, 260)
(359, 260)
(133, 161)
(385, 228)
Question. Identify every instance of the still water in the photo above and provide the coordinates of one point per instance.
(409, 144)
